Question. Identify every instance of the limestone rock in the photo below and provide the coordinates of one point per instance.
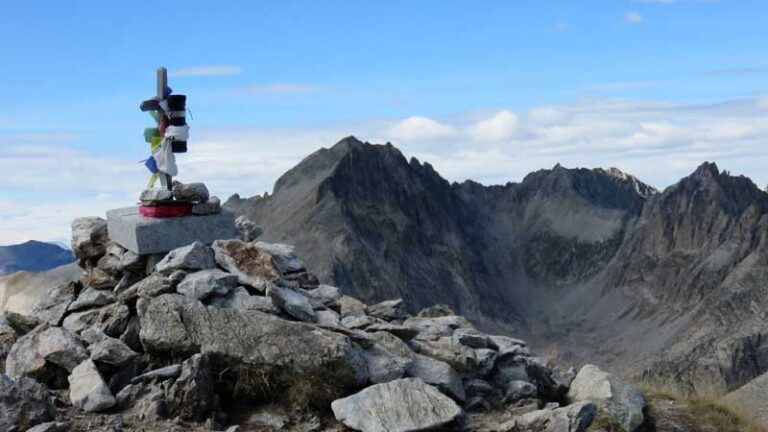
(240, 298)
(283, 256)
(191, 395)
(174, 324)
(385, 366)
(389, 310)
(247, 229)
(194, 257)
(201, 284)
(24, 401)
(154, 195)
(327, 318)
(87, 389)
(573, 418)
(50, 427)
(327, 295)
(89, 237)
(404, 333)
(350, 306)
(618, 399)
(161, 374)
(252, 266)
(53, 307)
(33, 352)
(111, 319)
(293, 303)
(435, 328)
(438, 374)
(22, 324)
(105, 349)
(212, 206)
(398, 406)
(517, 390)
(190, 192)
(91, 298)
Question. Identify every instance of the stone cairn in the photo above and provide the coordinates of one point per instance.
(170, 137)
(238, 335)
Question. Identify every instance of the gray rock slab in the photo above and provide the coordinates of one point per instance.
(142, 235)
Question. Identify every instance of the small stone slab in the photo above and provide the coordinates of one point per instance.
(143, 236)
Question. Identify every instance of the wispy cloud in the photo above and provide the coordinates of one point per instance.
(633, 17)
(280, 88)
(739, 71)
(626, 85)
(561, 26)
(208, 70)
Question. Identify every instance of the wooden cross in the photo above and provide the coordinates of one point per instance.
(162, 83)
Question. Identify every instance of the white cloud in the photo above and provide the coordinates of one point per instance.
(280, 88)
(762, 102)
(209, 70)
(498, 127)
(418, 128)
(633, 17)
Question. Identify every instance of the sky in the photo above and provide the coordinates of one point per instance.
(483, 90)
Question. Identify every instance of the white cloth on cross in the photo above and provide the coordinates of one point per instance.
(166, 161)
(177, 133)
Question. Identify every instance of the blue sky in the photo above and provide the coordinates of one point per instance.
(488, 90)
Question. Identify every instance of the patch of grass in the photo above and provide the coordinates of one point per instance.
(604, 422)
(313, 392)
(702, 409)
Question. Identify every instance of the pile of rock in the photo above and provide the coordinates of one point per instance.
(195, 194)
(239, 333)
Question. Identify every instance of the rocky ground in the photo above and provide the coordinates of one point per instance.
(239, 336)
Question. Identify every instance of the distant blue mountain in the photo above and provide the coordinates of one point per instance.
(33, 256)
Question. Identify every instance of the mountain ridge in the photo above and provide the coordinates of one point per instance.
(567, 257)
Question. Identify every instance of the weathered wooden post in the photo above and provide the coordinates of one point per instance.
(162, 84)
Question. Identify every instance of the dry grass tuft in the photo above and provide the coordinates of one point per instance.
(703, 411)
(602, 422)
(313, 392)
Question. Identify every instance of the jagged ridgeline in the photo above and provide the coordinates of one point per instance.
(592, 264)
(240, 336)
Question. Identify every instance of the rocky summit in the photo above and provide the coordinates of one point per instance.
(238, 335)
(590, 265)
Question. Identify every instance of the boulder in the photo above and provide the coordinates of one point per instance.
(508, 347)
(194, 257)
(471, 338)
(153, 285)
(572, 418)
(24, 401)
(350, 306)
(240, 298)
(438, 374)
(252, 266)
(21, 324)
(616, 398)
(436, 311)
(191, 397)
(91, 298)
(283, 256)
(190, 192)
(478, 387)
(357, 322)
(212, 206)
(293, 303)
(89, 237)
(385, 366)
(389, 310)
(111, 319)
(327, 295)
(50, 427)
(8, 337)
(247, 229)
(435, 328)
(153, 195)
(53, 307)
(34, 354)
(403, 405)
(175, 324)
(402, 332)
(87, 389)
(161, 374)
(107, 350)
(517, 390)
(327, 318)
(201, 284)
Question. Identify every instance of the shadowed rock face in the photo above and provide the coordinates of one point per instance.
(590, 261)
